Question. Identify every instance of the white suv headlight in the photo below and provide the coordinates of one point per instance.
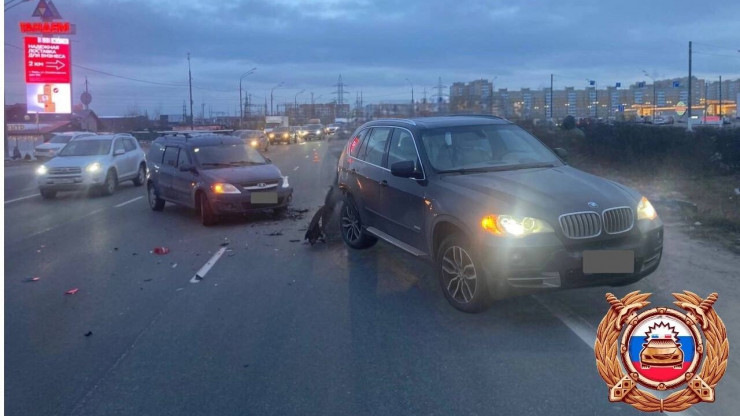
(93, 167)
(41, 170)
(514, 226)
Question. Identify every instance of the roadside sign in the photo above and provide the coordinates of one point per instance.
(47, 60)
(621, 108)
(680, 108)
(49, 98)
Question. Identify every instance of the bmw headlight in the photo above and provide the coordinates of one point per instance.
(285, 182)
(42, 170)
(224, 188)
(645, 210)
(510, 225)
(93, 167)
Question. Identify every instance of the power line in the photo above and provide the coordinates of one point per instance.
(718, 54)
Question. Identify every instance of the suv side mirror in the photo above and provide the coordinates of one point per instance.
(268, 159)
(562, 153)
(405, 169)
(118, 152)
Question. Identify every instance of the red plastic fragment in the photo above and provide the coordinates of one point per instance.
(71, 291)
(161, 250)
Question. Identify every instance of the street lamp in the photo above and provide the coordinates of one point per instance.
(654, 101)
(412, 96)
(271, 97)
(295, 103)
(241, 105)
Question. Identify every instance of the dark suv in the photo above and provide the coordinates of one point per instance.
(497, 211)
(215, 174)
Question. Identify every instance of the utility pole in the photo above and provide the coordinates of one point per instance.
(412, 97)
(551, 94)
(440, 95)
(688, 121)
(190, 85)
(720, 99)
(340, 96)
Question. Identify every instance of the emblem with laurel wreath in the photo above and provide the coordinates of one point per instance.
(623, 386)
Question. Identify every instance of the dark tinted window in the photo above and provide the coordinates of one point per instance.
(401, 148)
(183, 158)
(170, 156)
(375, 148)
(155, 153)
(129, 145)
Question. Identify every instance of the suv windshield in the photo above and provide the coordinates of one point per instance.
(313, 127)
(493, 147)
(283, 129)
(60, 138)
(86, 148)
(228, 155)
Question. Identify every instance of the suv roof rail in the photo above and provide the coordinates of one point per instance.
(174, 134)
(477, 115)
(398, 120)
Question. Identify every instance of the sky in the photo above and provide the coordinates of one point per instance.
(380, 48)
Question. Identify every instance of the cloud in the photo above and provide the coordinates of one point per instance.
(376, 45)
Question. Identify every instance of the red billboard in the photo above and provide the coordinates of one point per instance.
(47, 60)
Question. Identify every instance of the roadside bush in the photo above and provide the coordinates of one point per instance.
(705, 151)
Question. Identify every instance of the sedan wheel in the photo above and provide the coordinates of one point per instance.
(110, 184)
(462, 279)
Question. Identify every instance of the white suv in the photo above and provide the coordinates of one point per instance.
(99, 162)
(56, 143)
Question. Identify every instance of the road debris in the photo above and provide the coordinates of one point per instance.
(295, 241)
(301, 211)
(71, 291)
(148, 280)
(89, 333)
(115, 248)
(33, 279)
(276, 233)
(161, 250)
(697, 223)
(174, 265)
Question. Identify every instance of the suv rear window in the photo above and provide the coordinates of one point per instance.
(375, 148)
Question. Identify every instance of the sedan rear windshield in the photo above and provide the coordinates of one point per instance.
(224, 155)
(60, 138)
(283, 129)
(86, 148)
(313, 127)
(495, 146)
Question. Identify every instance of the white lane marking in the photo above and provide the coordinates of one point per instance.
(296, 168)
(46, 230)
(582, 328)
(200, 274)
(302, 143)
(128, 202)
(22, 198)
(575, 323)
(306, 156)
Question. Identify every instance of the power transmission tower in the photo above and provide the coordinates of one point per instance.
(439, 97)
(340, 95)
(190, 85)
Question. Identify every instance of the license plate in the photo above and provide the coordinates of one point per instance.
(64, 181)
(608, 261)
(264, 198)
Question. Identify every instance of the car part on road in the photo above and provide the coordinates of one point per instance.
(71, 291)
(161, 250)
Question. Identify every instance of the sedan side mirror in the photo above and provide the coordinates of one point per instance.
(562, 153)
(405, 169)
(118, 152)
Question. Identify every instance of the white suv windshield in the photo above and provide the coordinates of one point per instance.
(60, 138)
(228, 155)
(86, 148)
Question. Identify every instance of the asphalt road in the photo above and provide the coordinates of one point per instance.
(283, 328)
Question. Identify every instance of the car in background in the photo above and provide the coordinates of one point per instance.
(663, 120)
(280, 135)
(215, 175)
(56, 143)
(314, 132)
(93, 162)
(332, 128)
(496, 211)
(254, 138)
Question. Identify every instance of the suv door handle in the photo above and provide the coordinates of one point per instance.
(384, 183)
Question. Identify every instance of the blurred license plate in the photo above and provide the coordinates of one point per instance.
(264, 197)
(64, 181)
(608, 261)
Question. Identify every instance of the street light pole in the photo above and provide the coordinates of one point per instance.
(295, 103)
(271, 97)
(241, 104)
(412, 97)
(654, 99)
